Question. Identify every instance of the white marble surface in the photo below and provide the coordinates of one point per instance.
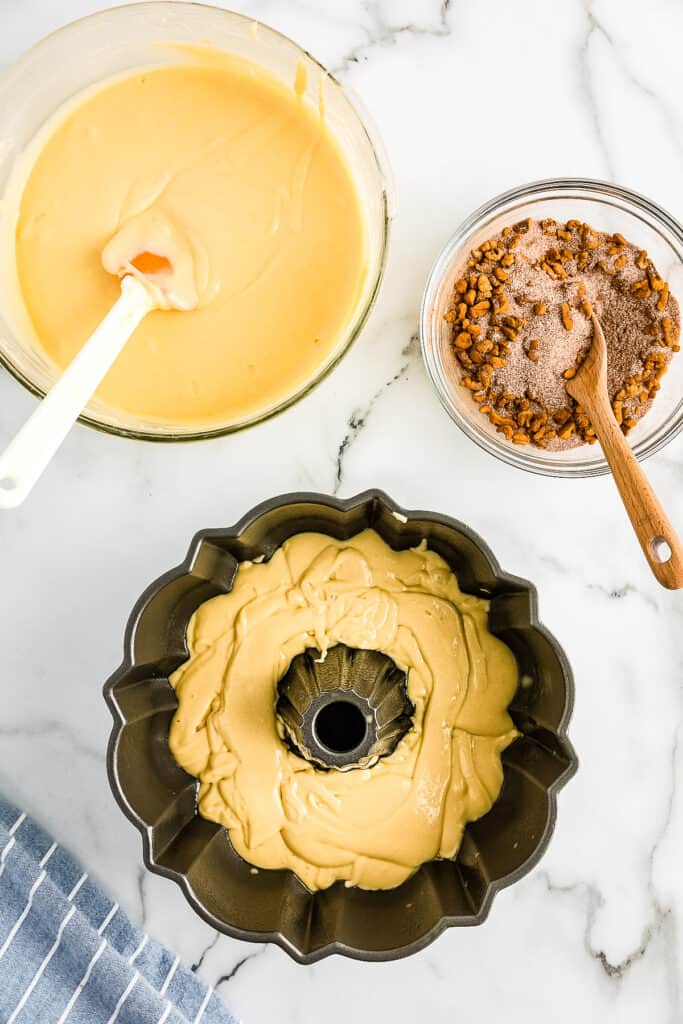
(471, 98)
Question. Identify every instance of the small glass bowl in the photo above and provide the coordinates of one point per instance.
(120, 40)
(606, 207)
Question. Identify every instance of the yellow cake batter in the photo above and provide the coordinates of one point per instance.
(246, 170)
(372, 827)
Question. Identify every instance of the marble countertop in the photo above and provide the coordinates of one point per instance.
(471, 98)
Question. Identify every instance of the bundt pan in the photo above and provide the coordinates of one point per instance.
(273, 906)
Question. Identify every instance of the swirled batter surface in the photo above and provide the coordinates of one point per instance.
(371, 827)
(248, 172)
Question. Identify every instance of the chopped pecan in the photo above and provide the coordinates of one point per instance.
(566, 317)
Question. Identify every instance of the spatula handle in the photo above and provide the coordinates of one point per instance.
(27, 455)
(657, 537)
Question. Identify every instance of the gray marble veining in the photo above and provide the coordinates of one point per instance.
(470, 98)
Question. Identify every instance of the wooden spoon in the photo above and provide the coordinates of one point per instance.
(657, 537)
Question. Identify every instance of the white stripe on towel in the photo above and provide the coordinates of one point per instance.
(22, 917)
(205, 1003)
(39, 973)
(164, 1016)
(169, 977)
(77, 886)
(143, 943)
(48, 855)
(10, 842)
(17, 823)
(107, 919)
(83, 982)
(117, 1009)
(3, 855)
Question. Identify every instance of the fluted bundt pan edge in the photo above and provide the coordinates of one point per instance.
(273, 906)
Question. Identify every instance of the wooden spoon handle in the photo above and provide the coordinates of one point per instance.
(658, 539)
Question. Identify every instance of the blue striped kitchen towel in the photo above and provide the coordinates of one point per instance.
(68, 955)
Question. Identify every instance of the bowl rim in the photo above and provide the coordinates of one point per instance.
(386, 199)
(509, 454)
(343, 505)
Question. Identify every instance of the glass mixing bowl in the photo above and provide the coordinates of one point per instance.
(606, 207)
(113, 42)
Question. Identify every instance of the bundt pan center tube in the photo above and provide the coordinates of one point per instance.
(345, 710)
(342, 713)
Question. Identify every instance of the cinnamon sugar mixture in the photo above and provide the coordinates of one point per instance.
(521, 327)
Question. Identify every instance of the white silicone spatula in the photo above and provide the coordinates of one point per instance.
(152, 277)
(27, 455)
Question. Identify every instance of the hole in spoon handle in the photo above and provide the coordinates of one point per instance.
(660, 550)
(12, 490)
(665, 556)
